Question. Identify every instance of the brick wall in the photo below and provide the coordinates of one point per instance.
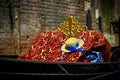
(6, 35)
(38, 15)
(35, 16)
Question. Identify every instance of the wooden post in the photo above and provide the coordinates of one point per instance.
(17, 28)
(100, 23)
(88, 20)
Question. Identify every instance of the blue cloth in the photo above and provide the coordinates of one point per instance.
(73, 49)
(94, 56)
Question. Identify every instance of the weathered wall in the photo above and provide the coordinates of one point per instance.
(35, 16)
(117, 7)
(6, 35)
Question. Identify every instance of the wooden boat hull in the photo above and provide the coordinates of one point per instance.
(14, 69)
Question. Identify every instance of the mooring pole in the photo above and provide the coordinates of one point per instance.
(88, 20)
(17, 27)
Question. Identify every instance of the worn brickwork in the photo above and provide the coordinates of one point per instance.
(6, 43)
(6, 35)
(38, 15)
(35, 16)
